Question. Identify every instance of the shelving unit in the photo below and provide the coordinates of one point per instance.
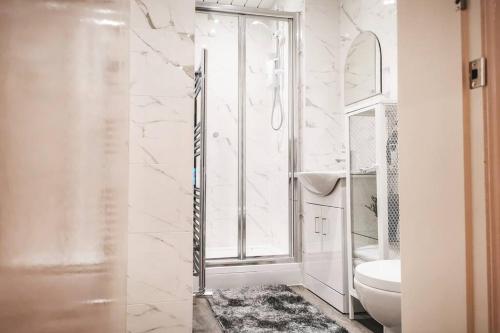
(372, 211)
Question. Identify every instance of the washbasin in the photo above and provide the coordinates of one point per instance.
(320, 182)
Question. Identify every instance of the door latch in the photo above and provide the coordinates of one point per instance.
(477, 73)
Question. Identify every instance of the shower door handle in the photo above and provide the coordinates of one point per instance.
(324, 229)
(316, 225)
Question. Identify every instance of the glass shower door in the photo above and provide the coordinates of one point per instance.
(219, 35)
(249, 135)
(267, 186)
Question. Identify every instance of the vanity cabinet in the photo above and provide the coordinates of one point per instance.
(324, 250)
(324, 246)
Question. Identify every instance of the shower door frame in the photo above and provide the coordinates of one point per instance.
(294, 253)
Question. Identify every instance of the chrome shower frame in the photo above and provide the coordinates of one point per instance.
(293, 19)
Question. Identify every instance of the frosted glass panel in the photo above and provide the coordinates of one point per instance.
(219, 34)
(64, 170)
(266, 127)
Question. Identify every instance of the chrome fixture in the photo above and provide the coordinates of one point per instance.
(277, 74)
(199, 176)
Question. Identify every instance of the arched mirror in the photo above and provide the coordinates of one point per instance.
(363, 69)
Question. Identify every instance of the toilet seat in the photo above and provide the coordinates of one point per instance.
(380, 274)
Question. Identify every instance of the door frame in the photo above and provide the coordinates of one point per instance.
(491, 95)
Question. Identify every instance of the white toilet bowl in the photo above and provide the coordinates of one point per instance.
(378, 284)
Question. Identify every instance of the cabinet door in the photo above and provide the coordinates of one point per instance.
(312, 239)
(332, 249)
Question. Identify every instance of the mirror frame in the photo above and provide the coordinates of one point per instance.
(378, 69)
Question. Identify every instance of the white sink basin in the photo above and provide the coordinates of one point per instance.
(320, 182)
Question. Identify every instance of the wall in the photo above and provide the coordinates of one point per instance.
(63, 175)
(431, 168)
(159, 284)
(322, 132)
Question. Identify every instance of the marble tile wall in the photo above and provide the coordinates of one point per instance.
(322, 132)
(159, 278)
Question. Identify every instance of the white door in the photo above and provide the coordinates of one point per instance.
(332, 248)
(312, 254)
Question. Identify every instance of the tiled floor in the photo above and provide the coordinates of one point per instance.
(204, 320)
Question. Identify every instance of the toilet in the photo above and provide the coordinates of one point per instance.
(378, 285)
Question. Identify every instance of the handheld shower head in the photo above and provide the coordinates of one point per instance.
(277, 110)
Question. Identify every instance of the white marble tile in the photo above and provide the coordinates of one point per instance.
(157, 68)
(323, 120)
(317, 131)
(291, 5)
(160, 197)
(166, 317)
(157, 125)
(174, 15)
(160, 191)
(159, 267)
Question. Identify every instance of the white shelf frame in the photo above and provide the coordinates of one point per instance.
(378, 106)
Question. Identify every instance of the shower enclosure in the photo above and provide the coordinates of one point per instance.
(251, 80)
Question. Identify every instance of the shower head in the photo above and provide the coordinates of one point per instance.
(277, 111)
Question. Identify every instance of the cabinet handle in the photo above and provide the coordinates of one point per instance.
(316, 225)
(324, 228)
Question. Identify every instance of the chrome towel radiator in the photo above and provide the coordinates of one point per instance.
(199, 175)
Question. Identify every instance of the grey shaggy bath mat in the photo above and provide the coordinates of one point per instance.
(269, 309)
